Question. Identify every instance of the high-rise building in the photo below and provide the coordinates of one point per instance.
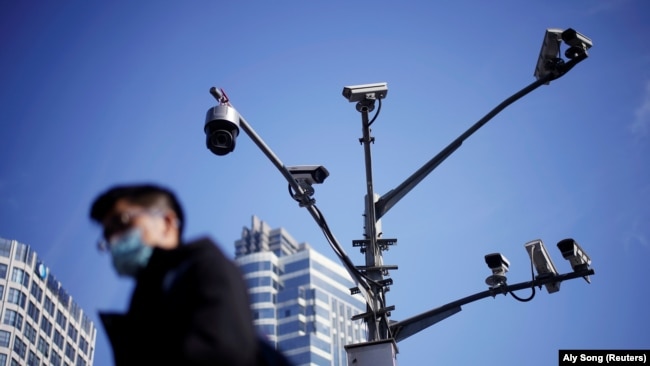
(40, 324)
(300, 299)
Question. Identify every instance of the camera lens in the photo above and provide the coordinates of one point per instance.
(221, 139)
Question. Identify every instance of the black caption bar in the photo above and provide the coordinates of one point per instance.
(596, 356)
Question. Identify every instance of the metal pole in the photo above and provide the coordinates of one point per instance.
(377, 329)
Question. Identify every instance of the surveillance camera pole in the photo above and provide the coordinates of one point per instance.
(381, 348)
(377, 322)
(382, 336)
(372, 245)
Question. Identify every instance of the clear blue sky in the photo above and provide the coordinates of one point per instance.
(96, 93)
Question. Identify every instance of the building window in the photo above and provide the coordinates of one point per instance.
(14, 319)
(46, 326)
(81, 362)
(69, 351)
(48, 305)
(61, 319)
(37, 292)
(14, 362)
(32, 359)
(86, 324)
(5, 337)
(21, 252)
(83, 345)
(53, 284)
(20, 276)
(20, 347)
(2, 291)
(43, 347)
(30, 333)
(58, 339)
(73, 333)
(5, 247)
(64, 297)
(33, 312)
(17, 297)
(3, 270)
(75, 311)
(55, 360)
(3, 359)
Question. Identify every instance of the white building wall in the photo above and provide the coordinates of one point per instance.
(29, 330)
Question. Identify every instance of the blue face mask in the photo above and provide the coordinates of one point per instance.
(130, 254)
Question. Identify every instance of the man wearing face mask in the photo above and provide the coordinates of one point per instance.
(190, 304)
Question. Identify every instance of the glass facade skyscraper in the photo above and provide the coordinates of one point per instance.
(40, 324)
(300, 299)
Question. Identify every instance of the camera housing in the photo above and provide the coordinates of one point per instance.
(221, 129)
(309, 174)
(574, 253)
(579, 43)
(357, 93)
(498, 263)
(549, 53)
(550, 62)
(543, 263)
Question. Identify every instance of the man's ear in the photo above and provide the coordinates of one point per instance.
(171, 221)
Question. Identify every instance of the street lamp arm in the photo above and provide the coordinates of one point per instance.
(408, 327)
(388, 200)
(306, 202)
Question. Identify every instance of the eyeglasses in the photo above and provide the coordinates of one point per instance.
(120, 223)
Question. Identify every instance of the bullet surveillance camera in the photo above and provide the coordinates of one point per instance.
(310, 174)
(498, 263)
(543, 263)
(579, 43)
(550, 52)
(221, 129)
(572, 252)
(357, 93)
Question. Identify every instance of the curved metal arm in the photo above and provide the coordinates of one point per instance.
(408, 327)
(363, 287)
(388, 200)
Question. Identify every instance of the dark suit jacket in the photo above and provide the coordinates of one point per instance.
(189, 307)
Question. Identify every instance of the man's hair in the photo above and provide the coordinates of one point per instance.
(145, 195)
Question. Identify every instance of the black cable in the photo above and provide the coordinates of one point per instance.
(526, 299)
(339, 251)
(532, 274)
(376, 113)
(360, 278)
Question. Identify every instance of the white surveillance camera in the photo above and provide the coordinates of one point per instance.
(543, 263)
(498, 263)
(357, 93)
(310, 174)
(572, 252)
(549, 53)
